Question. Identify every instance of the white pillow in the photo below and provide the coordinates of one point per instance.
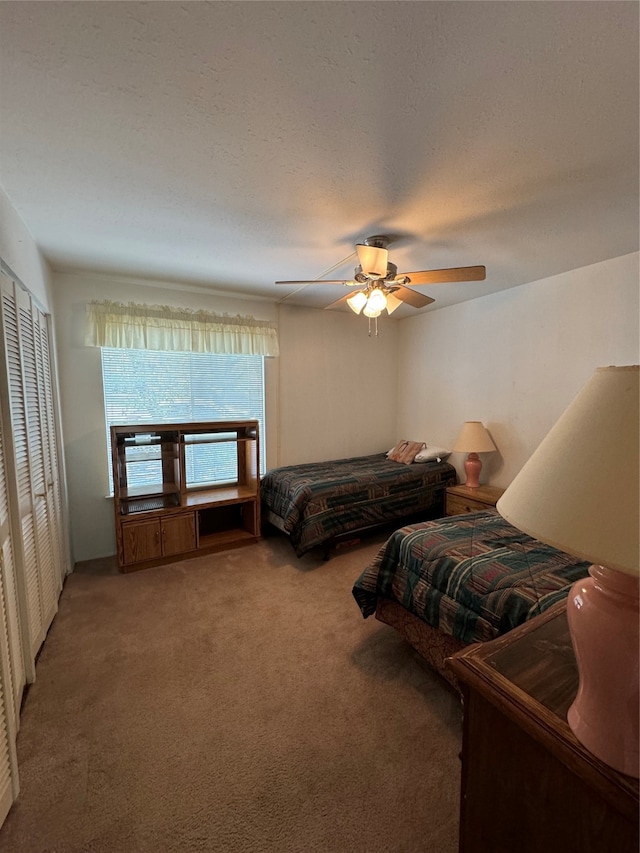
(431, 453)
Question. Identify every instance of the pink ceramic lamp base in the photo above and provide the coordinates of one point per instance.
(473, 467)
(602, 611)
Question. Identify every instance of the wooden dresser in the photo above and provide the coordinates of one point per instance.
(461, 499)
(527, 784)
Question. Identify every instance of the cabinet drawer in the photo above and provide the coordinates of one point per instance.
(458, 506)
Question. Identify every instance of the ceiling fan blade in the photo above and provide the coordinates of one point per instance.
(320, 281)
(373, 260)
(441, 276)
(412, 297)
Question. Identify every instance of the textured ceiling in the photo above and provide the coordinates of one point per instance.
(230, 144)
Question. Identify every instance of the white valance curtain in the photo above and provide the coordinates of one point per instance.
(162, 327)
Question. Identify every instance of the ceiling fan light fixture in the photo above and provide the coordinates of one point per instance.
(376, 303)
(392, 303)
(377, 300)
(371, 312)
(357, 301)
(373, 260)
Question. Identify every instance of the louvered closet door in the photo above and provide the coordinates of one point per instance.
(50, 448)
(24, 543)
(35, 519)
(8, 760)
(12, 660)
(12, 674)
(16, 666)
(33, 551)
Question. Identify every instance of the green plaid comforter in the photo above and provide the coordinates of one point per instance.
(473, 576)
(320, 500)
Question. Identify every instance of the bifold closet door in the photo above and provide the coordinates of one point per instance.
(8, 760)
(40, 509)
(12, 673)
(50, 448)
(31, 485)
(12, 658)
(16, 673)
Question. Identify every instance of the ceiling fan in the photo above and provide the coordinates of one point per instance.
(382, 287)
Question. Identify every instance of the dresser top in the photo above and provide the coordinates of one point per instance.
(530, 675)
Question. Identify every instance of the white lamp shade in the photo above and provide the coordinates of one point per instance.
(392, 303)
(368, 311)
(372, 260)
(474, 438)
(357, 301)
(579, 490)
(377, 300)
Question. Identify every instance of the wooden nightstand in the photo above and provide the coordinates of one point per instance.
(461, 499)
(527, 783)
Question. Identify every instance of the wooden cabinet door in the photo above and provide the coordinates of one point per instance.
(141, 541)
(178, 533)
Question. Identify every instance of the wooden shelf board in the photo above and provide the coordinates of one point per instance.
(223, 495)
(235, 534)
(137, 492)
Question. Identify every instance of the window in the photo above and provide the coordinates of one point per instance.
(148, 387)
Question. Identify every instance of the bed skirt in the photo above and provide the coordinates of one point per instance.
(430, 643)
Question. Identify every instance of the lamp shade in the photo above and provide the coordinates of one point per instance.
(474, 438)
(357, 301)
(373, 260)
(579, 493)
(579, 490)
(377, 300)
(392, 303)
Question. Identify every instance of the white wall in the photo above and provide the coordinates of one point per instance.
(19, 251)
(338, 393)
(515, 359)
(330, 393)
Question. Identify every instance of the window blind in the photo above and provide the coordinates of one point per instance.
(152, 386)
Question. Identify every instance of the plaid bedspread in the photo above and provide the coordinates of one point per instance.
(320, 500)
(473, 576)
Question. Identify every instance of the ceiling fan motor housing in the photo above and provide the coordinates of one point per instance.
(390, 278)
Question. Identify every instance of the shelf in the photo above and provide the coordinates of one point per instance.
(225, 537)
(149, 504)
(148, 491)
(223, 495)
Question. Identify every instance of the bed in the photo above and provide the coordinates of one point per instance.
(462, 579)
(320, 503)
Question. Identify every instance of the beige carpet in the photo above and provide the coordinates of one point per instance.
(235, 703)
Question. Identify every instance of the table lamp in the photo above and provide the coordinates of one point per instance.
(579, 493)
(473, 439)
